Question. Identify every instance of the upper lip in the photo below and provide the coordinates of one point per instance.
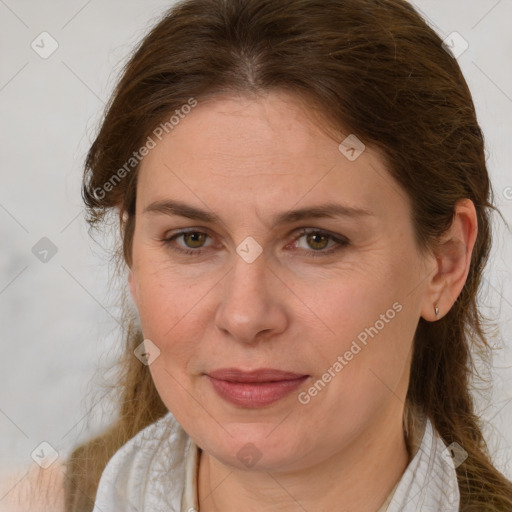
(258, 375)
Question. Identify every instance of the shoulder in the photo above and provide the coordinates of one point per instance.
(134, 473)
(148, 441)
(139, 452)
(33, 488)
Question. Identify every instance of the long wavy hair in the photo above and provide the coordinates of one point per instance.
(372, 65)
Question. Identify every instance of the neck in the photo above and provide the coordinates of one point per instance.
(357, 478)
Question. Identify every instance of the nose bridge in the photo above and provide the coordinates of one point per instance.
(249, 277)
(249, 303)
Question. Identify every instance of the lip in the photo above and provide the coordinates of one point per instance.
(255, 388)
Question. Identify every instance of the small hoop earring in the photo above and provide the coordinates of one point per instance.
(436, 311)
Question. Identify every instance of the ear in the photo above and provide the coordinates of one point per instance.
(123, 217)
(133, 287)
(453, 258)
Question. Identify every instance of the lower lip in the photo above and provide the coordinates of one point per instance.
(254, 395)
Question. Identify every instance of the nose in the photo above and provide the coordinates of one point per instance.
(252, 305)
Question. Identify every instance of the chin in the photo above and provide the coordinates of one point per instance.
(254, 449)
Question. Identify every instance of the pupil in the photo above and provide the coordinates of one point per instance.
(195, 236)
(314, 236)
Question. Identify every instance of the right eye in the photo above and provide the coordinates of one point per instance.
(189, 236)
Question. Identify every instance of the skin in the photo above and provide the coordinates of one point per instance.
(247, 159)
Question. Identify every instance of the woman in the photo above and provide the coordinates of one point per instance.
(304, 206)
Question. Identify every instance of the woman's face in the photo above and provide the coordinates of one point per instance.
(247, 289)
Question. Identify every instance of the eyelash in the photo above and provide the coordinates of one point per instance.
(342, 242)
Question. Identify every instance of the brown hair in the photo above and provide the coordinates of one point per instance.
(372, 65)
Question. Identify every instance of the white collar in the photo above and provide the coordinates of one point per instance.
(157, 470)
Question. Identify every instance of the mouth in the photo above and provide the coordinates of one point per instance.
(256, 388)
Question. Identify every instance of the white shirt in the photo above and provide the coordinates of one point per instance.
(156, 471)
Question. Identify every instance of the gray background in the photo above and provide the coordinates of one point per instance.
(58, 318)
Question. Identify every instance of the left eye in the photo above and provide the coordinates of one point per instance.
(317, 240)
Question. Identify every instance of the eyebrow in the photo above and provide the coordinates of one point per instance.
(328, 210)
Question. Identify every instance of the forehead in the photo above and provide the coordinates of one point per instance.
(266, 153)
(250, 132)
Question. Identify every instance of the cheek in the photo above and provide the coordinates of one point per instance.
(363, 367)
(173, 318)
(371, 322)
(377, 339)
(171, 312)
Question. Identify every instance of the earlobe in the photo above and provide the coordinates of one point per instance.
(453, 259)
